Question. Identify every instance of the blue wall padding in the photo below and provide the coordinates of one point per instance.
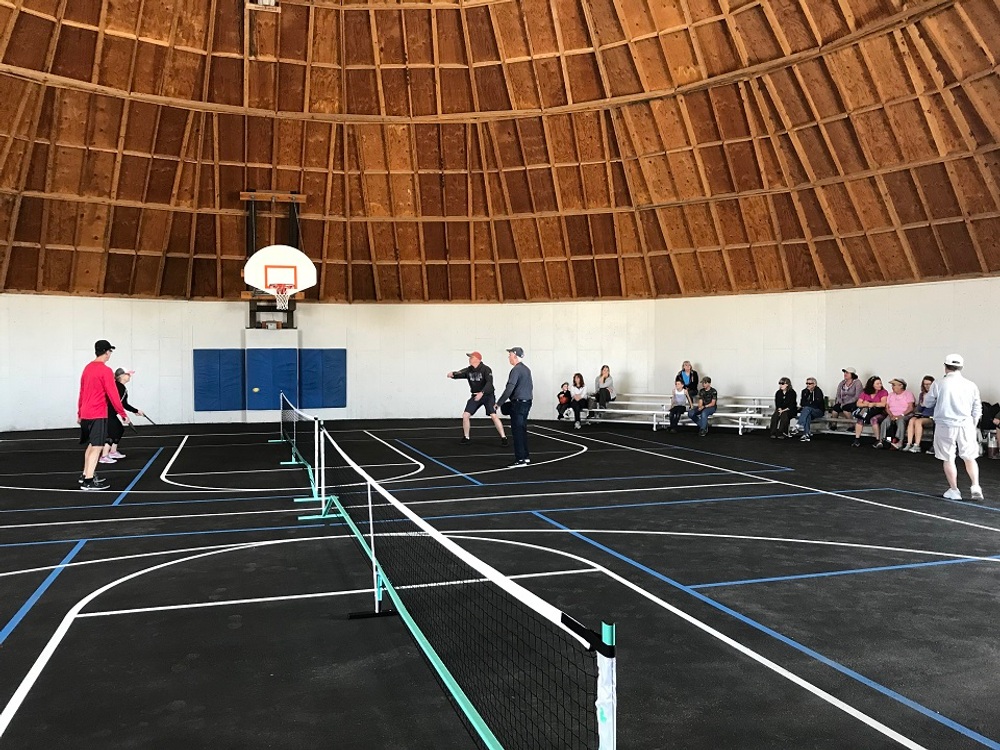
(218, 380)
(271, 371)
(323, 378)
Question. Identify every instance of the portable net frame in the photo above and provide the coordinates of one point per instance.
(302, 432)
(522, 673)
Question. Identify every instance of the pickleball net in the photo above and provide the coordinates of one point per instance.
(302, 432)
(522, 673)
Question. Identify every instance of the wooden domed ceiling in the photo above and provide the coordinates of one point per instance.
(500, 149)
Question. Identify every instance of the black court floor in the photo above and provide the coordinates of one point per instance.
(767, 594)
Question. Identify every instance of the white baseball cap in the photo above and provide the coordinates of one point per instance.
(954, 360)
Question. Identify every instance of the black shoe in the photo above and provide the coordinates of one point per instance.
(465, 440)
(517, 464)
(90, 485)
(702, 433)
(773, 436)
(832, 426)
(878, 444)
(81, 479)
(504, 442)
(856, 444)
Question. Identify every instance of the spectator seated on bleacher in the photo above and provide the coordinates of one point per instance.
(707, 403)
(811, 407)
(870, 410)
(923, 417)
(604, 388)
(689, 377)
(680, 403)
(562, 400)
(784, 409)
(848, 392)
(898, 411)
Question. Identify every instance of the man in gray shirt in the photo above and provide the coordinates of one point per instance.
(519, 392)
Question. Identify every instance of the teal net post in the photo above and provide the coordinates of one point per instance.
(607, 691)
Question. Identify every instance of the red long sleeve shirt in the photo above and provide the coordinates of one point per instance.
(97, 388)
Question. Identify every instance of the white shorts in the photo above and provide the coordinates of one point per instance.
(949, 439)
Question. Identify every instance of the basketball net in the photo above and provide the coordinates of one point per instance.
(281, 293)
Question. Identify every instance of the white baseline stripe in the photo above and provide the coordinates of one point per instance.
(161, 553)
(316, 595)
(575, 493)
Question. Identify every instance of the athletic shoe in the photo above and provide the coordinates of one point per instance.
(953, 494)
(577, 425)
(504, 441)
(702, 433)
(856, 444)
(465, 440)
(832, 426)
(94, 484)
(902, 447)
(116, 455)
(518, 464)
(805, 438)
(81, 479)
(977, 492)
(773, 436)
(106, 460)
(878, 444)
(894, 446)
(914, 448)
(793, 429)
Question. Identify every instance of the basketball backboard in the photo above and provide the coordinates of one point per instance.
(280, 266)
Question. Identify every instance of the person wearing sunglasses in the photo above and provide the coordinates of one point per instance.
(811, 406)
(784, 409)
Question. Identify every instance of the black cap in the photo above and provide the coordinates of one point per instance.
(517, 351)
(102, 346)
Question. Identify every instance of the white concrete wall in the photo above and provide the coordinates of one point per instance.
(745, 343)
(398, 354)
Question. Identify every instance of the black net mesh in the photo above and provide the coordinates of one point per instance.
(533, 683)
(301, 431)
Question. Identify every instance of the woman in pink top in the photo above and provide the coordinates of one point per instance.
(898, 409)
(871, 410)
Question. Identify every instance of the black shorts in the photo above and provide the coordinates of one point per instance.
(489, 400)
(93, 431)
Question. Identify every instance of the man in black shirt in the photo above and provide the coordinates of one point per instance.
(480, 379)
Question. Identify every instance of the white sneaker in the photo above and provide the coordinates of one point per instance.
(116, 455)
(977, 492)
(106, 460)
(577, 425)
(953, 494)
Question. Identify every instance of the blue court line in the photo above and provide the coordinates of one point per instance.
(52, 576)
(137, 477)
(439, 463)
(169, 534)
(850, 572)
(847, 671)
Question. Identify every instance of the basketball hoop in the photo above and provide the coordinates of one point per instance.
(281, 293)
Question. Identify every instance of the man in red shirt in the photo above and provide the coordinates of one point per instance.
(97, 389)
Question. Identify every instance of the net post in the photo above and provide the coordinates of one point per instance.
(607, 690)
(376, 583)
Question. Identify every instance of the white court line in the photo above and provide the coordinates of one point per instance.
(411, 459)
(438, 477)
(80, 522)
(574, 493)
(828, 493)
(320, 594)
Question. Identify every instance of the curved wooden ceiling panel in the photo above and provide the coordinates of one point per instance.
(500, 149)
